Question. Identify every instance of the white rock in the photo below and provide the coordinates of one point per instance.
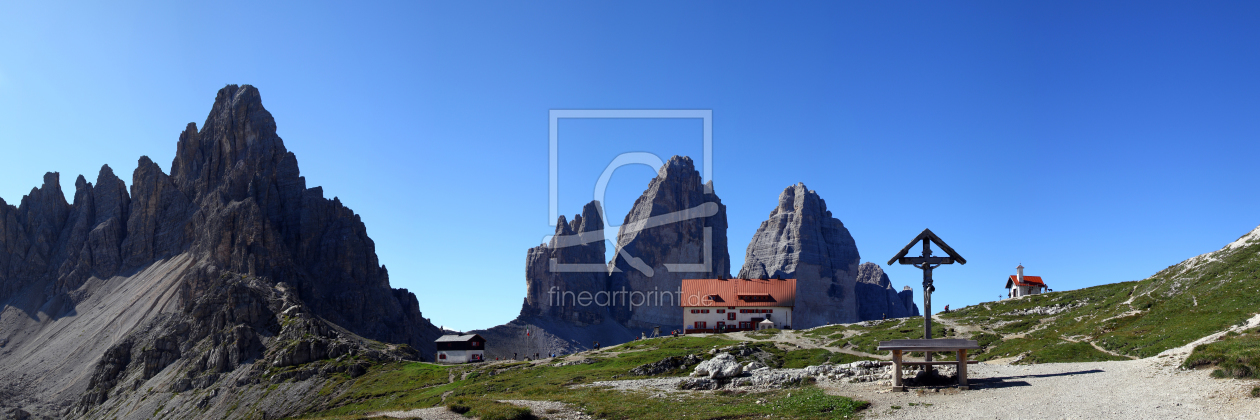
(720, 366)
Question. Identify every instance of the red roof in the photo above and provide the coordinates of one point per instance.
(738, 292)
(1028, 281)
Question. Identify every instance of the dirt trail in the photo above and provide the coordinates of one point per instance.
(799, 340)
(1099, 348)
(1149, 388)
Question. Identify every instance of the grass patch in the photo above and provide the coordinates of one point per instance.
(1045, 348)
(986, 340)
(763, 334)
(487, 409)
(1234, 356)
(827, 331)
(797, 359)
(901, 329)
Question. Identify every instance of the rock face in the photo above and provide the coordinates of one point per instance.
(662, 241)
(569, 295)
(876, 297)
(802, 240)
(236, 332)
(907, 300)
(233, 204)
(564, 311)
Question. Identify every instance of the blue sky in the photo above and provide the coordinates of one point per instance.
(1093, 142)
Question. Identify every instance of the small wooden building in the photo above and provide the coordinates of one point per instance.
(466, 348)
(1020, 285)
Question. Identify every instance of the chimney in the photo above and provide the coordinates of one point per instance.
(1019, 273)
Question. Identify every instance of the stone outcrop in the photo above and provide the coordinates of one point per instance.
(233, 202)
(666, 365)
(721, 366)
(569, 295)
(244, 331)
(876, 297)
(907, 300)
(662, 241)
(802, 240)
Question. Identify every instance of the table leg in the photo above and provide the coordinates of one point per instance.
(962, 369)
(897, 386)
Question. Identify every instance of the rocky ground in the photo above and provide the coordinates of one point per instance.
(549, 410)
(1155, 387)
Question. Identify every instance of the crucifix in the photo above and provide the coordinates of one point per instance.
(927, 263)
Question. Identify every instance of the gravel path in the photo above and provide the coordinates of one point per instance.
(1151, 388)
(549, 410)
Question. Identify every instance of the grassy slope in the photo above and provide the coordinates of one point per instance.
(417, 385)
(1234, 355)
(865, 337)
(1180, 304)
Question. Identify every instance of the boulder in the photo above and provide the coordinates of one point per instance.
(698, 384)
(721, 366)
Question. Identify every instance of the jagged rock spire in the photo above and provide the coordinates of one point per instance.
(802, 240)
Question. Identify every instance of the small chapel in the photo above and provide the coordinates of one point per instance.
(1020, 285)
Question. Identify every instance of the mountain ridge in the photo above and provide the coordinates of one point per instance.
(234, 205)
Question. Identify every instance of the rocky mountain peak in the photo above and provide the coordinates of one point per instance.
(802, 240)
(237, 140)
(666, 228)
(580, 241)
(234, 204)
(876, 297)
(873, 274)
(799, 230)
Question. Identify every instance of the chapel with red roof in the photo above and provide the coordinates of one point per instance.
(1020, 285)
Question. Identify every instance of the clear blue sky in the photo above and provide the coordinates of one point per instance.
(1094, 142)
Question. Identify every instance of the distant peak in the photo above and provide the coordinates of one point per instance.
(234, 94)
(52, 179)
(106, 172)
(677, 165)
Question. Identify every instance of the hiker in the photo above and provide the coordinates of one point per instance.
(513, 356)
(535, 356)
(883, 316)
(946, 308)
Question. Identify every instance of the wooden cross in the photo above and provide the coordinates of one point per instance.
(927, 262)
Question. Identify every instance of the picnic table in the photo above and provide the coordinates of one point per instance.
(941, 344)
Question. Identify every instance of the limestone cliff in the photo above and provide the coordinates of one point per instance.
(552, 291)
(802, 240)
(662, 241)
(566, 307)
(876, 297)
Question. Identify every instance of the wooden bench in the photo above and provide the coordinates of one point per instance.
(970, 362)
(960, 346)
